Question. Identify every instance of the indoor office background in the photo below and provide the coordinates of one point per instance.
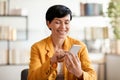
(22, 22)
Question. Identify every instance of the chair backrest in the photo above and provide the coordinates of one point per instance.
(24, 74)
(112, 67)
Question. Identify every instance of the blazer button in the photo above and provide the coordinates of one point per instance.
(46, 73)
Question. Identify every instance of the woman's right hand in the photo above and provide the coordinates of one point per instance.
(73, 64)
(58, 56)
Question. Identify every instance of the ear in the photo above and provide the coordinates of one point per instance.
(48, 23)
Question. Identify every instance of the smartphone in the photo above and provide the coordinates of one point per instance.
(75, 48)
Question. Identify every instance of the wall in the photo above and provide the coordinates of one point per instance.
(12, 72)
(38, 30)
(37, 9)
(36, 12)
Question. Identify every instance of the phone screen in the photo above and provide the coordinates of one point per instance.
(74, 49)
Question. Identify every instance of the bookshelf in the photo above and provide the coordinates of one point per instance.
(92, 25)
(13, 28)
(92, 30)
(16, 30)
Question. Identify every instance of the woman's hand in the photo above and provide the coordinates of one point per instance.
(58, 56)
(73, 64)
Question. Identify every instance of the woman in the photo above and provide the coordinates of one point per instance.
(52, 53)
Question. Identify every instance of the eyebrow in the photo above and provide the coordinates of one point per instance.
(60, 20)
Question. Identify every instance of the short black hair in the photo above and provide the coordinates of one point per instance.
(57, 11)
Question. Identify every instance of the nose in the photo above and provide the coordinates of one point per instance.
(63, 26)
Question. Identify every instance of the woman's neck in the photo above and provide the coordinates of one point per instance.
(57, 43)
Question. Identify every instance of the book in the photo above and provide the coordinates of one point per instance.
(82, 11)
(91, 9)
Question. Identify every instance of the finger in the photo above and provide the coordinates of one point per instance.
(60, 54)
(74, 59)
(69, 67)
(60, 60)
(69, 58)
(78, 61)
(67, 63)
(77, 58)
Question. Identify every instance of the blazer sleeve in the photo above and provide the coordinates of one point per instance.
(88, 70)
(39, 70)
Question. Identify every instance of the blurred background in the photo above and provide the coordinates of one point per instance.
(95, 22)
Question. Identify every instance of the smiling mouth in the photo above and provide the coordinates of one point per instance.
(62, 32)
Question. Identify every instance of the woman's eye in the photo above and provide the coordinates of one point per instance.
(57, 22)
(67, 22)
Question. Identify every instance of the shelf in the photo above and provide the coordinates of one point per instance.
(3, 40)
(14, 64)
(13, 16)
(113, 54)
(19, 23)
(13, 28)
(88, 16)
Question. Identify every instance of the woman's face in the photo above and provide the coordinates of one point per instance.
(60, 27)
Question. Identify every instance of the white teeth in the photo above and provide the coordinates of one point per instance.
(62, 32)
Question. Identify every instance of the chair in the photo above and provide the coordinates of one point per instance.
(112, 67)
(24, 74)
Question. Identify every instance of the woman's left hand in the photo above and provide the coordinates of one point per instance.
(73, 64)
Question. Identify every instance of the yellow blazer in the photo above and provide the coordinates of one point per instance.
(42, 51)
